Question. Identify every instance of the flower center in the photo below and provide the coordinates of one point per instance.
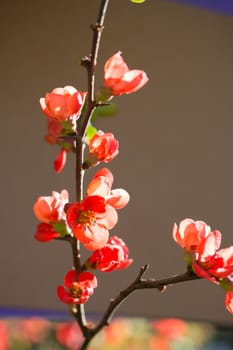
(85, 217)
(76, 291)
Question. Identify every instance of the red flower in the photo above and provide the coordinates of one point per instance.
(90, 221)
(63, 103)
(103, 146)
(215, 267)
(45, 233)
(113, 256)
(196, 238)
(77, 289)
(201, 246)
(51, 208)
(119, 79)
(101, 185)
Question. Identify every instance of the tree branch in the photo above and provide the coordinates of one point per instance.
(137, 284)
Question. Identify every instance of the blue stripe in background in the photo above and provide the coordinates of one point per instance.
(221, 6)
(21, 312)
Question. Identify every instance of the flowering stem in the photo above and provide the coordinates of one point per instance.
(90, 64)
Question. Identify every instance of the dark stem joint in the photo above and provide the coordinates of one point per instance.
(85, 61)
(162, 288)
(97, 27)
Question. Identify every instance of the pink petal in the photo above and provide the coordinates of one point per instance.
(95, 237)
(109, 220)
(119, 198)
(115, 67)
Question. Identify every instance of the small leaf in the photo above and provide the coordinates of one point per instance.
(91, 131)
(104, 111)
(60, 227)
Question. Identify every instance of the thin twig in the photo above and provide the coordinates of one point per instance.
(137, 284)
(90, 64)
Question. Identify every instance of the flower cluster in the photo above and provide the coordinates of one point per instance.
(90, 219)
(204, 256)
(63, 107)
(49, 210)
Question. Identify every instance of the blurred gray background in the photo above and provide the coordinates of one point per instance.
(175, 144)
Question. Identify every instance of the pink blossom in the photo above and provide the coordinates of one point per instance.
(45, 233)
(49, 209)
(77, 289)
(63, 103)
(119, 79)
(90, 221)
(113, 256)
(219, 265)
(103, 146)
(197, 238)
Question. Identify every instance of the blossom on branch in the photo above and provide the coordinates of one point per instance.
(90, 221)
(202, 253)
(197, 238)
(119, 79)
(77, 289)
(103, 146)
(218, 265)
(49, 209)
(113, 256)
(63, 103)
(45, 232)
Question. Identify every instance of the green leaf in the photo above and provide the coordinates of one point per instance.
(138, 1)
(60, 227)
(91, 131)
(104, 111)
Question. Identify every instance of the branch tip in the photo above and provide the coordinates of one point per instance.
(142, 271)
